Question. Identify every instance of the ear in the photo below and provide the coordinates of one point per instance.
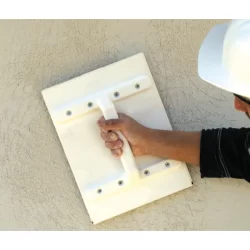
(248, 108)
(240, 106)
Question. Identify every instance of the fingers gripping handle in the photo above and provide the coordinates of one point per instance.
(127, 158)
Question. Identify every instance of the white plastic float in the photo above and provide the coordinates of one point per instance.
(111, 186)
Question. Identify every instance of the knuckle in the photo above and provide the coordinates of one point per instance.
(114, 144)
(103, 135)
(108, 145)
(109, 136)
(118, 144)
(101, 118)
(104, 130)
(112, 136)
(117, 152)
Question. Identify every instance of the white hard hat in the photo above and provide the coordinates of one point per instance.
(224, 57)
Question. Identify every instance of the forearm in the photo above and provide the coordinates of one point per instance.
(176, 145)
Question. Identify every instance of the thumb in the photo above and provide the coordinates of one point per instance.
(111, 124)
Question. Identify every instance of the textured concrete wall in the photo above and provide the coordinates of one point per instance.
(37, 189)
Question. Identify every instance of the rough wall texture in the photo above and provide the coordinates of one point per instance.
(37, 189)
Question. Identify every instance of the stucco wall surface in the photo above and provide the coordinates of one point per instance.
(37, 188)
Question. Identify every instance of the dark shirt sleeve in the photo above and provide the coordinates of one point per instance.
(225, 153)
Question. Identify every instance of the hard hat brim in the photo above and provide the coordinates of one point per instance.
(210, 67)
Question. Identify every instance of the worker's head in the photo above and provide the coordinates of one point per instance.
(224, 60)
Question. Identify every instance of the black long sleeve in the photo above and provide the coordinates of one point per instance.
(225, 153)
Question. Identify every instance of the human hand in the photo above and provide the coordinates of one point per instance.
(136, 135)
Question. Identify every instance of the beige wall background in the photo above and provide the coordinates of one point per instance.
(37, 188)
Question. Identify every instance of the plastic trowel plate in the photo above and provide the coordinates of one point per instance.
(112, 186)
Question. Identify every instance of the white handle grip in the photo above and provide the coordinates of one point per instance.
(127, 158)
